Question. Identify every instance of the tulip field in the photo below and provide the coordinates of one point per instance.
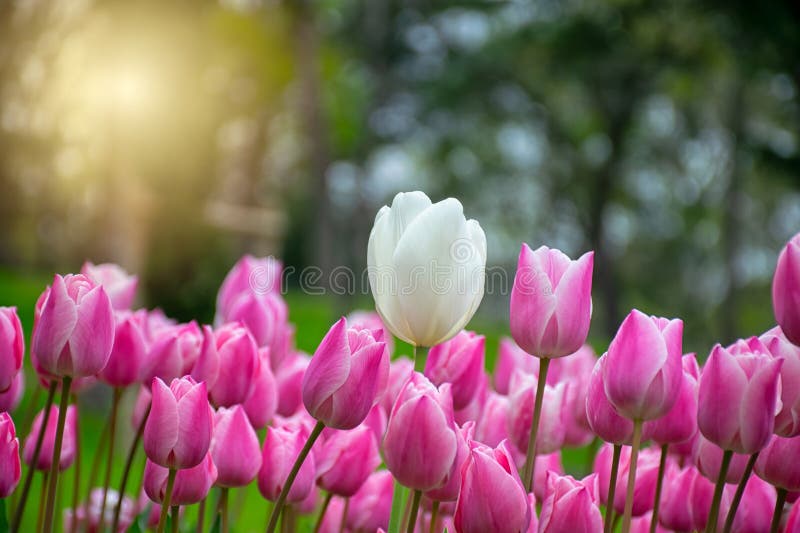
(409, 416)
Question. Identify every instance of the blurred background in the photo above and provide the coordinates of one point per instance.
(172, 137)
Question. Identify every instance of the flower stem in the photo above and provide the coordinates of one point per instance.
(662, 465)
(276, 511)
(176, 511)
(711, 525)
(201, 515)
(637, 437)
(322, 512)
(612, 489)
(399, 497)
(112, 432)
(737, 498)
(162, 519)
(76, 471)
(420, 354)
(66, 381)
(128, 464)
(223, 508)
(343, 523)
(412, 519)
(434, 516)
(530, 457)
(776, 516)
(42, 496)
(20, 510)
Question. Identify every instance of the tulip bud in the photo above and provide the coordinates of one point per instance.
(173, 353)
(787, 421)
(376, 421)
(755, 509)
(191, 484)
(472, 411)
(577, 371)
(154, 323)
(68, 445)
(400, 370)
(737, 398)
(141, 406)
(511, 357)
(641, 524)
(372, 320)
(686, 499)
(206, 367)
(707, 456)
(643, 373)
(238, 360)
(289, 380)
(520, 414)
(128, 352)
(544, 464)
(118, 284)
(420, 443)
(341, 383)
(346, 460)
(266, 316)
(786, 290)
(458, 361)
(644, 492)
(570, 506)
(235, 448)
(777, 463)
(12, 347)
(492, 424)
(492, 497)
(10, 468)
(415, 250)
(448, 492)
(250, 275)
(74, 333)
(371, 506)
(260, 406)
(9, 400)
(603, 417)
(680, 422)
(282, 446)
(177, 433)
(87, 516)
(551, 302)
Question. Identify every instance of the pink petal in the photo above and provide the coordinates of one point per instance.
(93, 336)
(328, 368)
(194, 427)
(54, 326)
(161, 429)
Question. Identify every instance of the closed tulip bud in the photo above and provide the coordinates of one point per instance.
(9, 400)
(346, 460)
(577, 371)
(754, 513)
(238, 361)
(74, 333)
(289, 380)
(118, 284)
(376, 421)
(520, 414)
(786, 290)
(266, 316)
(680, 422)
(234, 448)
(87, 517)
(685, 500)
(492, 425)
(173, 353)
(603, 418)
(191, 484)
(282, 445)
(511, 357)
(400, 370)
(154, 322)
(570, 506)
(250, 275)
(787, 421)
(68, 445)
(646, 477)
(492, 497)
(544, 464)
(10, 468)
(371, 506)
(260, 406)
(737, 400)
(643, 373)
(206, 367)
(12, 347)
(420, 443)
(449, 491)
(472, 411)
(177, 433)
(416, 249)
(777, 463)
(342, 381)
(372, 320)
(707, 457)
(458, 361)
(128, 353)
(551, 302)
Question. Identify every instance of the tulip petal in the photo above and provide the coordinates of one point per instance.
(194, 419)
(93, 336)
(54, 327)
(719, 395)
(353, 400)
(161, 428)
(328, 369)
(574, 308)
(756, 420)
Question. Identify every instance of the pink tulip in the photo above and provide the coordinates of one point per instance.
(533, 525)
(377, 421)
(786, 290)
(641, 524)
(685, 500)
(371, 320)
(420, 443)
(68, 445)
(646, 476)
(400, 370)
(754, 514)
(310, 504)
(177, 433)
(128, 353)
(458, 361)
(511, 357)
(173, 353)
(289, 380)
(266, 316)
(10, 468)
(371, 506)
(603, 417)
(9, 400)
(737, 399)
(577, 371)
(449, 491)
(191, 484)
(346, 460)
(551, 302)
(206, 366)
(544, 464)
(154, 322)
(235, 448)
(777, 463)
(707, 456)
(250, 275)
(282, 445)
(74, 333)
(141, 406)
(262, 403)
(520, 414)
(787, 421)
(12, 347)
(643, 374)
(87, 516)
(342, 381)
(118, 284)
(680, 422)
(492, 424)
(492, 497)
(238, 362)
(570, 506)
(472, 411)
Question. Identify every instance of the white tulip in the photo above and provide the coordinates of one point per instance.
(427, 268)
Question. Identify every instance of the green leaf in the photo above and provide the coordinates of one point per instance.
(217, 524)
(398, 507)
(3, 517)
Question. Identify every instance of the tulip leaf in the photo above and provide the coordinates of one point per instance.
(398, 507)
(3, 517)
(217, 526)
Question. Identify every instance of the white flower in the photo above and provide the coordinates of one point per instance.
(427, 268)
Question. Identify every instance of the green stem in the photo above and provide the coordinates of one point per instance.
(111, 437)
(530, 457)
(66, 382)
(434, 517)
(76, 478)
(201, 515)
(26, 488)
(223, 508)
(399, 497)
(776, 516)
(101, 444)
(322, 512)
(637, 437)
(662, 465)
(343, 523)
(162, 519)
(737, 498)
(412, 519)
(276, 511)
(128, 464)
(612, 489)
(711, 525)
(176, 511)
(42, 496)
(420, 355)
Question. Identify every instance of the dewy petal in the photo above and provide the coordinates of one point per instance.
(353, 400)
(194, 427)
(328, 369)
(722, 384)
(756, 418)
(54, 325)
(93, 337)
(574, 304)
(161, 429)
